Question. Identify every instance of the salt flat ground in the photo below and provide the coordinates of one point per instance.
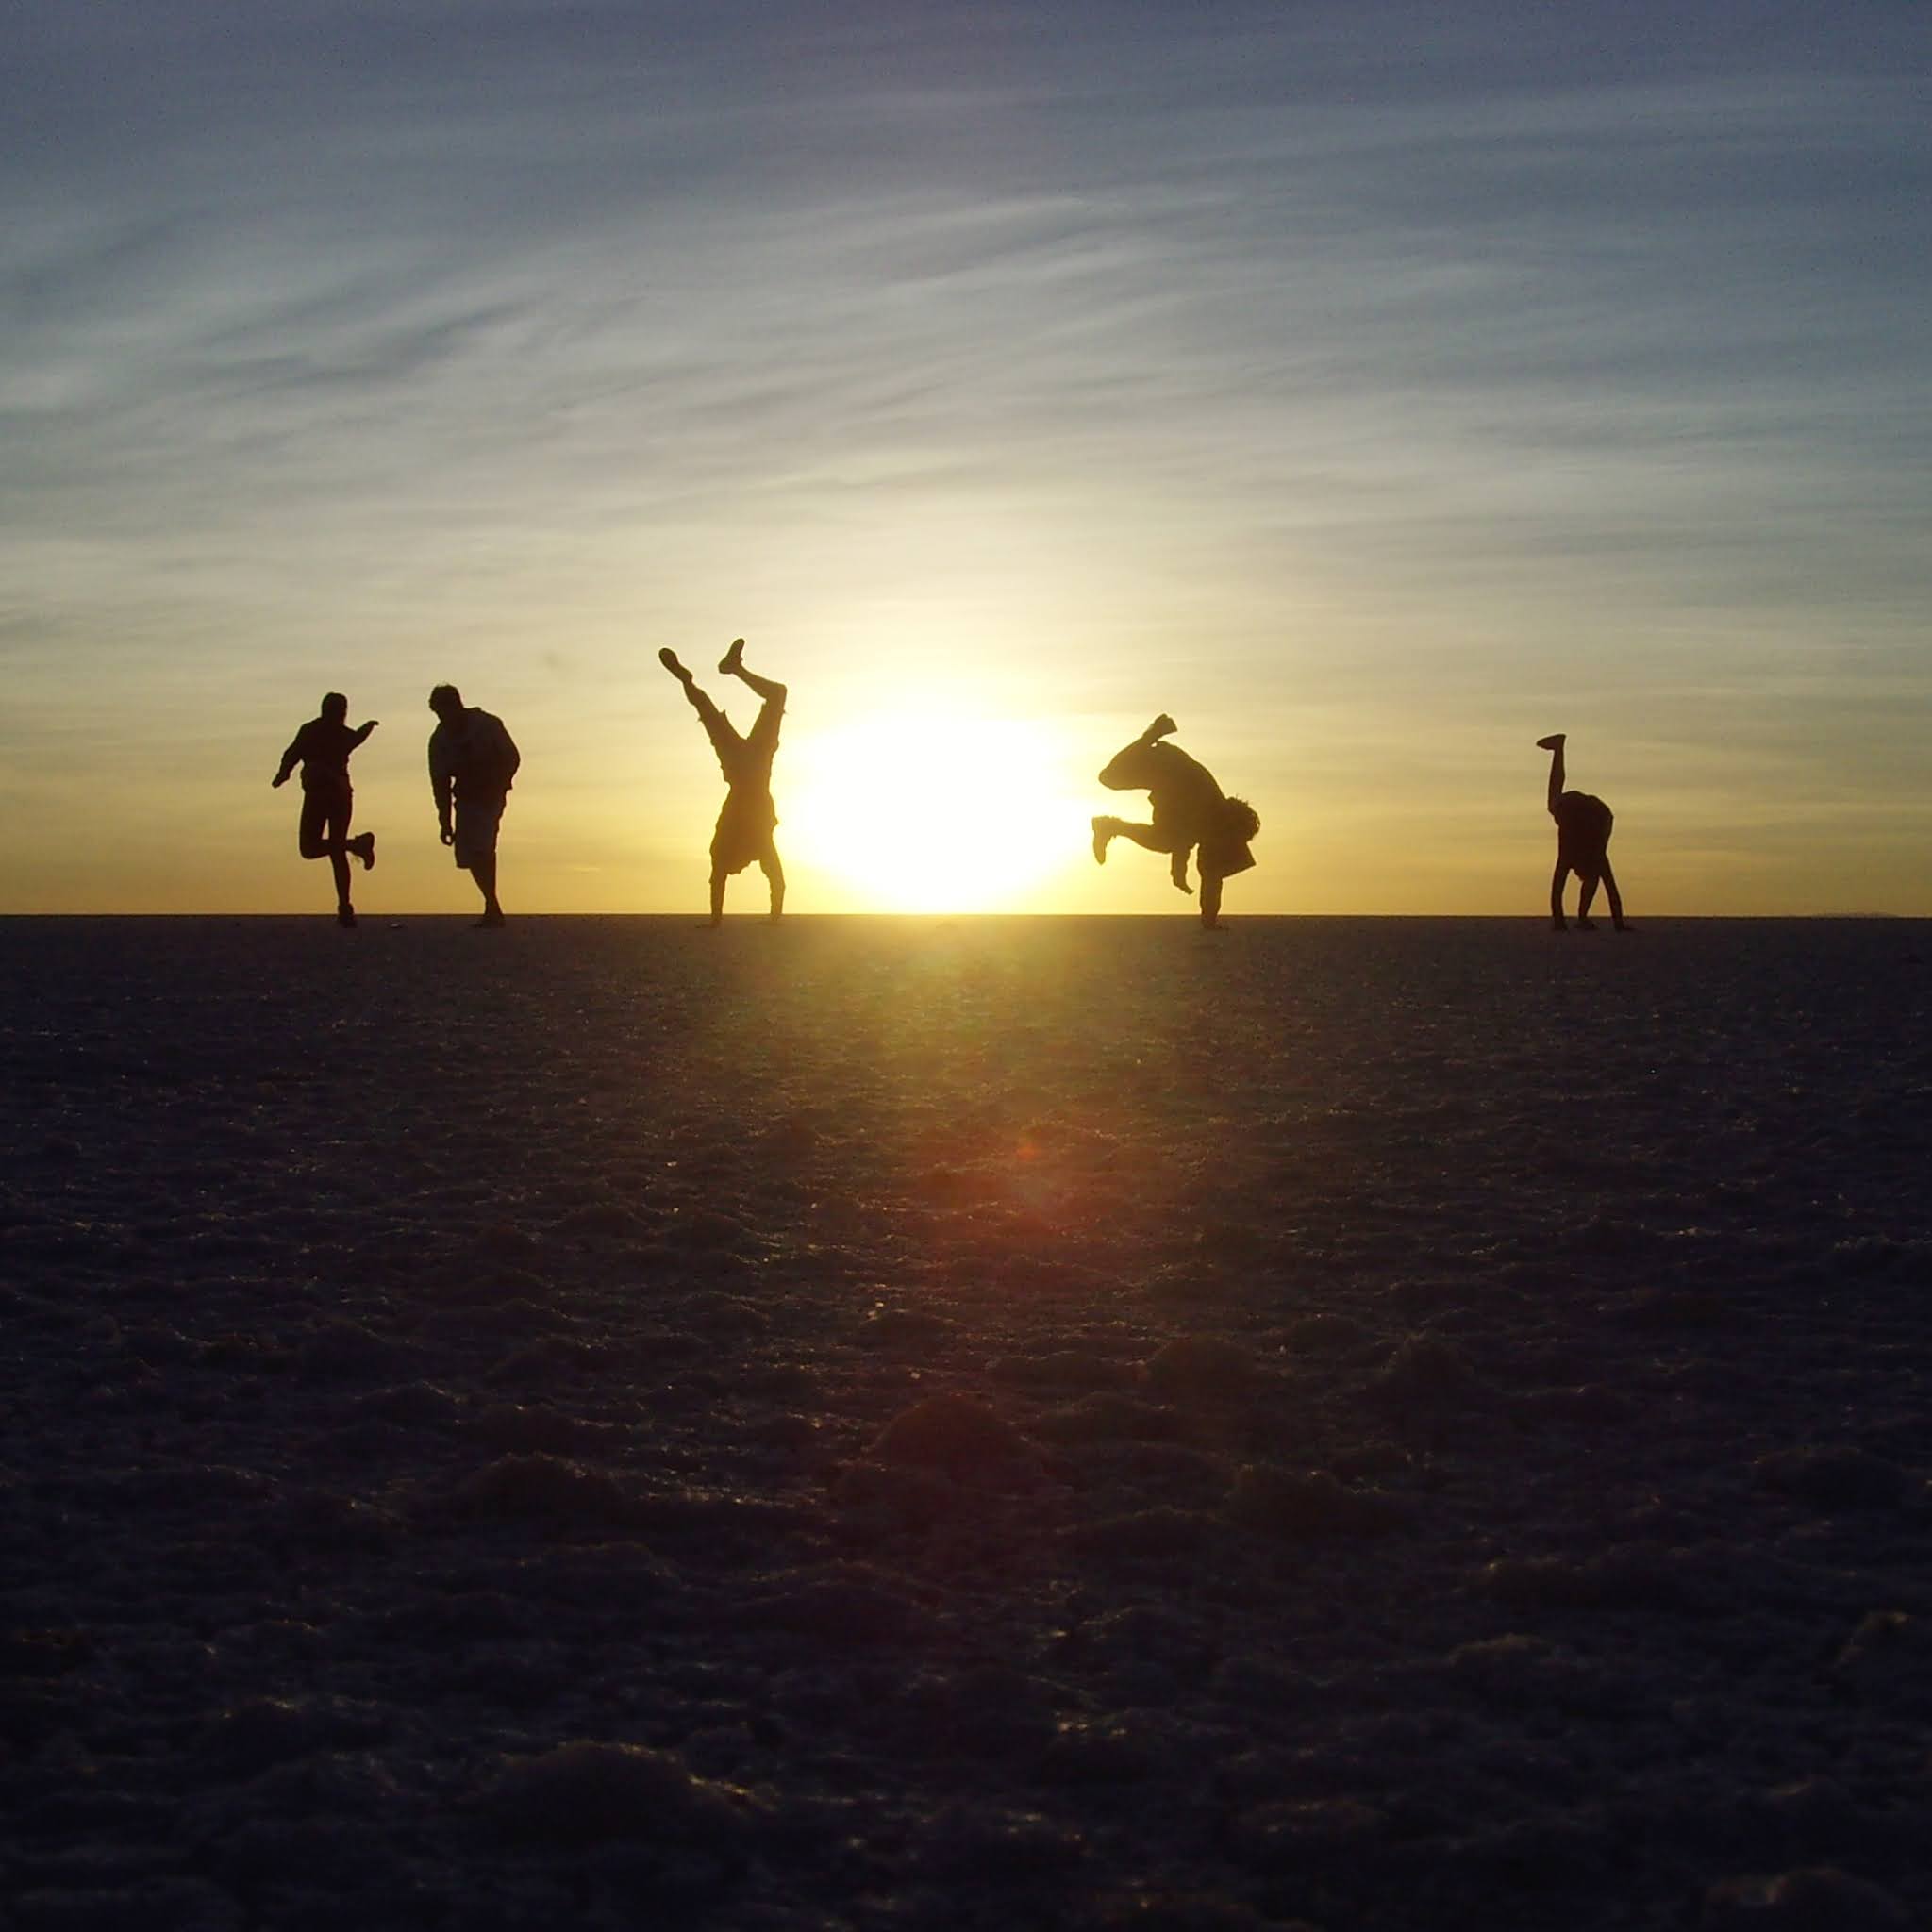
(1006, 1423)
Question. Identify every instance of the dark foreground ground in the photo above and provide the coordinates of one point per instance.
(1375, 1424)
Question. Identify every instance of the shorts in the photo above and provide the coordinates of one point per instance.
(325, 813)
(477, 822)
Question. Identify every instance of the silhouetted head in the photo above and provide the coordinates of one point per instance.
(446, 701)
(335, 707)
(1240, 819)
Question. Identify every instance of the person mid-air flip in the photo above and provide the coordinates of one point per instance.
(746, 821)
(321, 748)
(1583, 837)
(1189, 809)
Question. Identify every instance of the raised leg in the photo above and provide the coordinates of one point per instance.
(767, 688)
(761, 742)
(1150, 839)
(718, 727)
(1554, 745)
(1144, 836)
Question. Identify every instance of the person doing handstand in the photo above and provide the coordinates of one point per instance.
(321, 748)
(1190, 810)
(748, 817)
(1583, 837)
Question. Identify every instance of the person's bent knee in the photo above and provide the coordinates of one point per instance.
(313, 848)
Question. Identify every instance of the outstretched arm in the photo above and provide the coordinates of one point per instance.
(363, 733)
(1134, 767)
(291, 759)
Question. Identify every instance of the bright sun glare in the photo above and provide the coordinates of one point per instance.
(932, 811)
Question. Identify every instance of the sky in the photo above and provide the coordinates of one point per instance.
(1373, 388)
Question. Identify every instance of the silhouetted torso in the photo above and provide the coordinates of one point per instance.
(474, 757)
(1583, 827)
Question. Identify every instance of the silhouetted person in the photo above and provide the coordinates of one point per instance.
(473, 760)
(321, 748)
(748, 817)
(1190, 810)
(1583, 837)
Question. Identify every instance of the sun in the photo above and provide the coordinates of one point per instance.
(932, 809)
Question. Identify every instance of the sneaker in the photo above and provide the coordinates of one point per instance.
(1553, 742)
(668, 657)
(346, 915)
(733, 657)
(363, 846)
(1103, 833)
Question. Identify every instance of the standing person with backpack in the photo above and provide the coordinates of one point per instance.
(473, 760)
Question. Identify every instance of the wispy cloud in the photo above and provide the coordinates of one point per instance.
(1452, 353)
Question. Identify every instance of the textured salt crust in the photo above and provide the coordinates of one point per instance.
(1377, 1424)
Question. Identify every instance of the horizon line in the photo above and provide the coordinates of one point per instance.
(698, 918)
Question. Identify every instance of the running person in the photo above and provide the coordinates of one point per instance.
(1190, 810)
(748, 817)
(1583, 837)
(321, 748)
